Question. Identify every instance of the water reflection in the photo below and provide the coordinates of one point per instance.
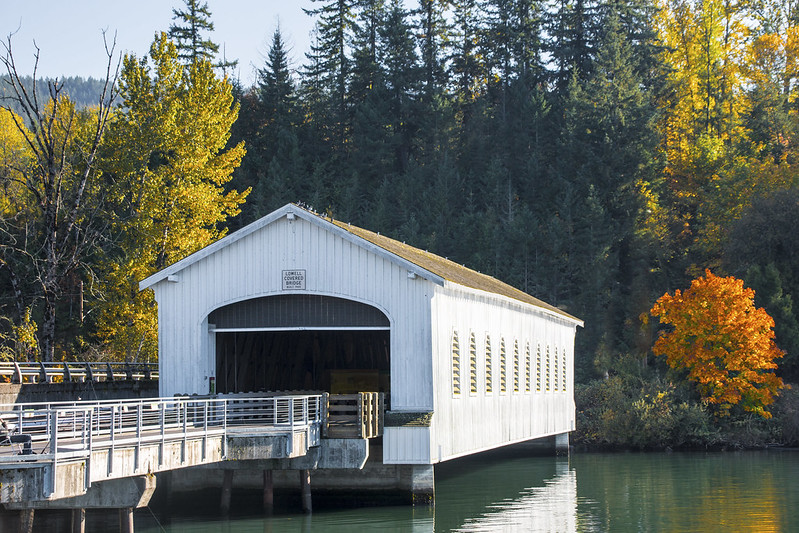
(525, 494)
(746, 491)
(616, 492)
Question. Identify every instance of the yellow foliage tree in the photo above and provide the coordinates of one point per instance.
(725, 344)
(167, 160)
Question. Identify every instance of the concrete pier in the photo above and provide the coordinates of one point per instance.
(227, 491)
(269, 492)
(305, 490)
(131, 492)
(26, 520)
(78, 520)
(126, 520)
(419, 481)
(562, 444)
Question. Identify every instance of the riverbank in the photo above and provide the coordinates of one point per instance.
(627, 413)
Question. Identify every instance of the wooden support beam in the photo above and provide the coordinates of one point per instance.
(227, 491)
(269, 492)
(78, 520)
(305, 489)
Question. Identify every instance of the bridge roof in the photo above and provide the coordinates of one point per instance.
(420, 262)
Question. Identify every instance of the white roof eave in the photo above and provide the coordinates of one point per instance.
(297, 211)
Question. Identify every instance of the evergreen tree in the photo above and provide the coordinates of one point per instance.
(188, 31)
(573, 28)
(402, 81)
(607, 147)
(331, 64)
(433, 31)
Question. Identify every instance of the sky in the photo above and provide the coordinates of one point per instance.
(69, 33)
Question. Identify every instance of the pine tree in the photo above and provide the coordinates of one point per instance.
(331, 65)
(188, 34)
(402, 81)
(606, 150)
(573, 28)
(435, 113)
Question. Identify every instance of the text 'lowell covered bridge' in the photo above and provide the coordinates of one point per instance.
(297, 301)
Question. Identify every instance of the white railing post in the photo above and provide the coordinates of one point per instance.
(88, 482)
(138, 437)
(162, 410)
(53, 416)
(205, 427)
(112, 435)
(224, 429)
(185, 408)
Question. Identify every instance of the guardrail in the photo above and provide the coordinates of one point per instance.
(24, 372)
(353, 416)
(66, 431)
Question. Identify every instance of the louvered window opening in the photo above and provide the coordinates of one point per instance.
(472, 364)
(538, 368)
(527, 376)
(489, 375)
(456, 365)
(503, 367)
(557, 370)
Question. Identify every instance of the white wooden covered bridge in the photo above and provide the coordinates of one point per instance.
(299, 301)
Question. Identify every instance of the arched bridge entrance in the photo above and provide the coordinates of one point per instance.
(301, 342)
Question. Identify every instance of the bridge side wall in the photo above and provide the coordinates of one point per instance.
(534, 399)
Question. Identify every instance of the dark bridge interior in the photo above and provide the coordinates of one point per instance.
(301, 342)
(334, 361)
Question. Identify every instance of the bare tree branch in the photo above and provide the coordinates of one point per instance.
(66, 223)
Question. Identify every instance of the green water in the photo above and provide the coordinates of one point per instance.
(730, 492)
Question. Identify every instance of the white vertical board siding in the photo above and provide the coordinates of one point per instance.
(406, 445)
(467, 423)
(252, 267)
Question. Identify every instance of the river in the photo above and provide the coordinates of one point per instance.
(730, 491)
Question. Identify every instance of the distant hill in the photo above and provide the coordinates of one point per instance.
(84, 92)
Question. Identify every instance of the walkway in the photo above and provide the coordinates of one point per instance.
(77, 444)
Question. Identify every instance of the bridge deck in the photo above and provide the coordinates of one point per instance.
(78, 443)
(57, 450)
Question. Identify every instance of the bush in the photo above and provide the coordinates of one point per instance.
(786, 416)
(640, 414)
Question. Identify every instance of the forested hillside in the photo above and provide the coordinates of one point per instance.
(595, 154)
(85, 92)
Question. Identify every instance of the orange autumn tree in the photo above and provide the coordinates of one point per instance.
(724, 343)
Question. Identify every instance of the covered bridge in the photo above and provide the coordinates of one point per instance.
(299, 301)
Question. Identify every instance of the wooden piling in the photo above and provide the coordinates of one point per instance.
(227, 490)
(79, 520)
(305, 489)
(269, 492)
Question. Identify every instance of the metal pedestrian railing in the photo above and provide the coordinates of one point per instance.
(70, 371)
(69, 431)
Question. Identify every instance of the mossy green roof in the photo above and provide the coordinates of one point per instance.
(446, 269)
